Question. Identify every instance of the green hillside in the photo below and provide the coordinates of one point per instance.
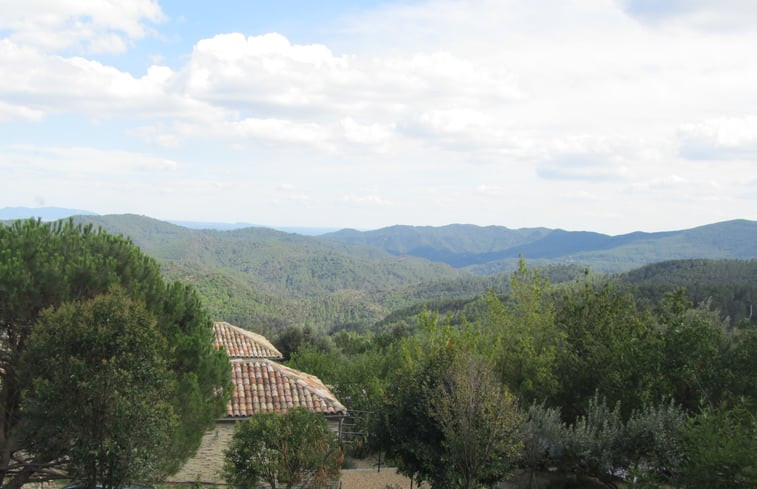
(493, 249)
(272, 279)
(729, 286)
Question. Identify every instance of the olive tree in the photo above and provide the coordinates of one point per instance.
(479, 421)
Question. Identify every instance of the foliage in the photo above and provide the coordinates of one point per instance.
(693, 343)
(652, 443)
(647, 447)
(408, 434)
(728, 285)
(593, 443)
(610, 347)
(294, 339)
(46, 265)
(295, 449)
(542, 433)
(447, 419)
(98, 369)
(358, 380)
(720, 445)
(479, 421)
(525, 335)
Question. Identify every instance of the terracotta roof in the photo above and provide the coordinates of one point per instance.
(263, 386)
(240, 343)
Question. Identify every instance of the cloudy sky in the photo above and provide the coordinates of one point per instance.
(602, 115)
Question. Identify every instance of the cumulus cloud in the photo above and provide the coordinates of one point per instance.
(482, 101)
(96, 26)
(46, 83)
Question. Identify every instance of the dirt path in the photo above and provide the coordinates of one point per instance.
(372, 479)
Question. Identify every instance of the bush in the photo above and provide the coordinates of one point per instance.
(296, 449)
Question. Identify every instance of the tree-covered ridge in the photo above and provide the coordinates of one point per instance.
(274, 280)
(496, 249)
(728, 286)
(285, 264)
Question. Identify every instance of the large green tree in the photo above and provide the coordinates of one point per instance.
(447, 419)
(47, 265)
(524, 334)
(610, 347)
(98, 369)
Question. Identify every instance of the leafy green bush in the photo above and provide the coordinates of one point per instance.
(720, 448)
(295, 449)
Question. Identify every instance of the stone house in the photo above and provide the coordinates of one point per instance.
(261, 385)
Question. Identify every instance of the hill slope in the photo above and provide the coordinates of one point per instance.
(270, 280)
(274, 279)
(493, 249)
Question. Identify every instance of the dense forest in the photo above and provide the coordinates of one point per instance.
(588, 379)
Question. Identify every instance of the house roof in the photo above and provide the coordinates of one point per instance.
(240, 343)
(264, 386)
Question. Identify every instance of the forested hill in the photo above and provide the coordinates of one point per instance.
(272, 279)
(286, 264)
(494, 249)
(729, 285)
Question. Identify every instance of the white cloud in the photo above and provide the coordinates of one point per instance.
(443, 108)
(91, 26)
(719, 139)
(46, 83)
(355, 132)
(665, 182)
(10, 112)
(367, 200)
(81, 162)
(591, 158)
(717, 15)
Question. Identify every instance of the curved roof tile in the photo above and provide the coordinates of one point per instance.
(240, 343)
(263, 386)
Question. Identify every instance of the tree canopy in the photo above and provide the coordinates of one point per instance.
(45, 266)
(98, 369)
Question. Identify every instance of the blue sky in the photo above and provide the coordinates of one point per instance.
(609, 115)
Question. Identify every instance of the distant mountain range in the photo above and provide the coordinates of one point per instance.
(484, 250)
(494, 249)
(273, 279)
(55, 213)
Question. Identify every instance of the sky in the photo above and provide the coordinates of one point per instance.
(602, 115)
